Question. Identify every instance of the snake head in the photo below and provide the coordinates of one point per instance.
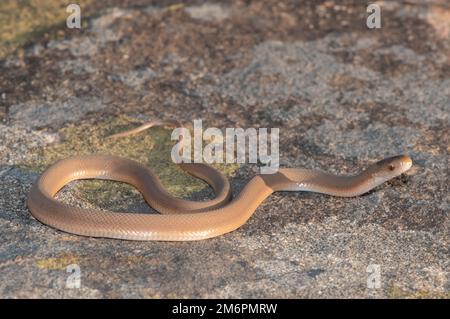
(391, 167)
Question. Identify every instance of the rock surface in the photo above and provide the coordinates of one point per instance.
(342, 95)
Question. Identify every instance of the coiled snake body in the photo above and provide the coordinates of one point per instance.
(182, 220)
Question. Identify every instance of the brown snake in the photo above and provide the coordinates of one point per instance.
(182, 220)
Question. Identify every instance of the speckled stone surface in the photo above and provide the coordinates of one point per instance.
(342, 95)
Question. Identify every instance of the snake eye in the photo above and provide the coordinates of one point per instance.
(391, 167)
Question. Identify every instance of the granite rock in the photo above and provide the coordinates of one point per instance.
(342, 95)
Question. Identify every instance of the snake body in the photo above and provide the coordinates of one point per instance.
(183, 220)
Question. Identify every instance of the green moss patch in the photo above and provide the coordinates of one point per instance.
(399, 293)
(22, 22)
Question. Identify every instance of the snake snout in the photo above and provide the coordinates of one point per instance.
(406, 162)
